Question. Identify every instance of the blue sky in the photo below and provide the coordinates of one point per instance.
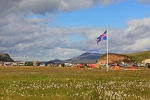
(47, 29)
(109, 16)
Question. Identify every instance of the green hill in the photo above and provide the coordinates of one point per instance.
(135, 57)
(139, 56)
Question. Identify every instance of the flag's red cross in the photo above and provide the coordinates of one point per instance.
(102, 36)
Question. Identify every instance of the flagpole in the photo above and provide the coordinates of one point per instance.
(107, 49)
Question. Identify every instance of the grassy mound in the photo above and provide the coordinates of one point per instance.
(139, 56)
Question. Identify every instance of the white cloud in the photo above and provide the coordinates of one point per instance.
(44, 6)
(64, 52)
(29, 38)
(21, 36)
(38, 40)
(144, 1)
(139, 44)
(138, 34)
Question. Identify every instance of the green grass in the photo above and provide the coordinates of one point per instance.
(136, 57)
(139, 56)
(45, 83)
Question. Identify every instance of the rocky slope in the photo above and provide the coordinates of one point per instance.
(4, 57)
(112, 57)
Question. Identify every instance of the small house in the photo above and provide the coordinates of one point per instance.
(146, 61)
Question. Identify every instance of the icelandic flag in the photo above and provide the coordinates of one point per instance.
(102, 37)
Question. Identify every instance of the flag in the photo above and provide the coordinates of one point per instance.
(102, 37)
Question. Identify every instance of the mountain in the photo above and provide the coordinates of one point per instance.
(97, 57)
(4, 57)
(83, 58)
(57, 61)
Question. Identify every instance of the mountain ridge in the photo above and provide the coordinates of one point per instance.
(88, 57)
(4, 57)
(83, 58)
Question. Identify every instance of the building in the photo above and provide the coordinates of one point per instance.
(146, 61)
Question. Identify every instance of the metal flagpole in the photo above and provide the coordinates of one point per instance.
(107, 49)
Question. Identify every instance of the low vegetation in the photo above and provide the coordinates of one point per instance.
(46, 83)
(136, 57)
(139, 56)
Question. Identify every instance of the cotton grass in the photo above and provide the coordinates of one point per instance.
(47, 83)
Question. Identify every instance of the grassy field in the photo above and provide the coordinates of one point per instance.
(139, 56)
(45, 83)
